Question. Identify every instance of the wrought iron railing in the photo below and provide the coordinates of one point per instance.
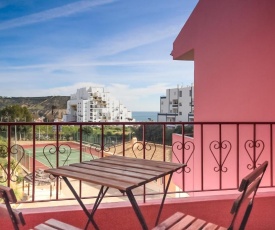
(217, 154)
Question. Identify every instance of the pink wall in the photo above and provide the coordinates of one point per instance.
(223, 155)
(234, 52)
(232, 44)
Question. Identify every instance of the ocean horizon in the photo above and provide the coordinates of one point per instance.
(145, 115)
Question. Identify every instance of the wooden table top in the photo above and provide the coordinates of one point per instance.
(117, 171)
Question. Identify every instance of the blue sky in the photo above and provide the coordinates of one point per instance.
(53, 47)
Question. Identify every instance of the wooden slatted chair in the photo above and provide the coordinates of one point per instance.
(16, 217)
(248, 189)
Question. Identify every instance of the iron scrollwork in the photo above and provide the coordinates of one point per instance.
(17, 153)
(251, 148)
(220, 147)
(146, 146)
(52, 149)
(108, 147)
(189, 147)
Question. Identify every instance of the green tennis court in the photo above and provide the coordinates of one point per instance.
(65, 156)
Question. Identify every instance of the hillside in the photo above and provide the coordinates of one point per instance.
(39, 106)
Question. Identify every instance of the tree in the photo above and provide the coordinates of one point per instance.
(16, 113)
(154, 133)
(87, 130)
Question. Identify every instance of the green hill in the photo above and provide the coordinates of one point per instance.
(50, 106)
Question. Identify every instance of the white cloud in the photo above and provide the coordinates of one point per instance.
(46, 15)
(135, 99)
(81, 64)
(54, 91)
(68, 90)
(137, 37)
(139, 98)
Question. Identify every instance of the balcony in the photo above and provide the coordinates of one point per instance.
(217, 156)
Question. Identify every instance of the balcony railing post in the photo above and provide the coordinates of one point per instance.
(183, 154)
(254, 149)
(102, 140)
(220, 156)
(123, 140)
(164, 151)
(33, 161)
(144, 139)
(271, 153)
(238, 155)
(80, 157)
(202, 157)
(80, 141)
(57, 145)
(9, 155)
(144, 148)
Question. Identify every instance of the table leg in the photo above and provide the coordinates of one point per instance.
(90, 217)
(99, 198)
(163, 199)
(136, 209)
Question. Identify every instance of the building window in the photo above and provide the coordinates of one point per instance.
(180, 93)
(175, 102)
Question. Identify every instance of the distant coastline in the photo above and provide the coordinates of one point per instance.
(145, 115)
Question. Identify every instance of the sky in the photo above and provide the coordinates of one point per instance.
(53, 47)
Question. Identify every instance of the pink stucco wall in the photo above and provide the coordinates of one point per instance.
(235, 156)
(233, 49)
(232, 45)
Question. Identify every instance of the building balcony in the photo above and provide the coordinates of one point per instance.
(217, 155)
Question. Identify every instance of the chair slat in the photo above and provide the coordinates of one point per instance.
(43, 227)
(210, 226)
(9, 192)
(252, 176)
(248, 186)
(222, 228)
(197, 224)
(60, 225)
(183, 223)
(252, 188)
(169, 221)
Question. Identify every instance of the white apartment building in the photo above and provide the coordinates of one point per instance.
(93, 104)
(177, 105)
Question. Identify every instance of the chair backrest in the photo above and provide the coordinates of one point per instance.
(248, 189)
(16, 217)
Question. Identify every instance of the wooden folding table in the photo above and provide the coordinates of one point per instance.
(122, 173)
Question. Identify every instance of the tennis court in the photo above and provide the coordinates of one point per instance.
(66, 155)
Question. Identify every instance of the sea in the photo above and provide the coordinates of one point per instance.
(145, 116)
